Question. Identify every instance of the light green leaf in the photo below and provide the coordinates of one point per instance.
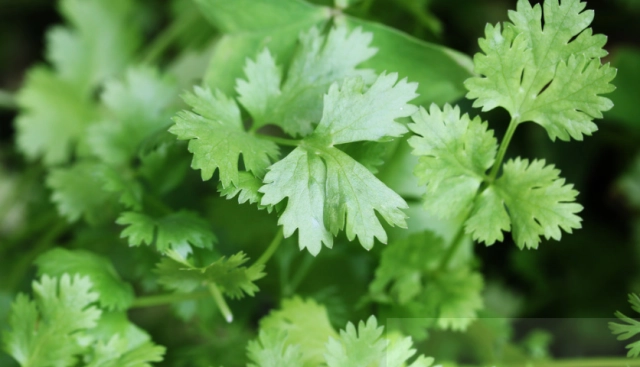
(455, 152)
(271, 350)
(306, 324)
(551, 75)
(102, 42)
(114, 293)
(629, 328)
(42, 331)
(246, 190)
(178, 230)
(259, 93)
(54, 117)
(217, 137)
(138, 107)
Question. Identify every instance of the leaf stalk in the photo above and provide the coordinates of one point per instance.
(503, 149)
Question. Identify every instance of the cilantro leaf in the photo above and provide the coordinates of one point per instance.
(114, 293)
(138, 106)
(327, 189)
(217, 137)
(271, 350)
(408, 278)
(259, 93)
(78, 192)
(43, 331)
(229, 275)
(306, 324)
(455, 152)
(54, 117)
(544, 74)
(533, 198)
(175, 230)
(246, 189)
(629, 328)
(366, 347)
(101, 43)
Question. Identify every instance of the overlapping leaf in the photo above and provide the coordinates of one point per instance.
(327, 190)
(217, 137)
(551, 75)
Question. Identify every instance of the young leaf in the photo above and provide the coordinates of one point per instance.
(551, 75)
(306, 324)
(176, 230)
(217, 137)
(327, 189)
(271, 350)
(54, 117)
(629, 328)
(229, 275)
(42, 331)
(455, 152)
(114, 293)
(366, 347)
(138, 106)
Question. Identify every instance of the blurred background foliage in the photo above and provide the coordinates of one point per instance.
(587, 275)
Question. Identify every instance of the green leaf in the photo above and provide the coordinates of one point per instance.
(544, 74)
(439, 71)
(101, 43)
(455, 152)
(249, 26)
(629, 328)
(534, 199)
(271, 350)
(78, 192)
(217, 137)
(327, 190)
(246, 190)
(366, 347)
(43, 331)
(118, 182)
(114, 293)
(306, 324)
(234, 279)
(178, 230)
(138, 107)
(54, 117)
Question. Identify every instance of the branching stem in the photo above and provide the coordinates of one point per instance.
(456, 242)
(503, 149)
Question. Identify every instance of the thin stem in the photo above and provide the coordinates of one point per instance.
(164, 299)
(585, 362)
(162, 42)
(456, 242)
(503, 149)
(222, 304)
(273, 246)
(300, 274)
(282, 141)
(8, 101)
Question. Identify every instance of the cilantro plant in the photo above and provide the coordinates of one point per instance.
(281, 183)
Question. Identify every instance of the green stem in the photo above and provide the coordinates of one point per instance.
(300, 274)
(162, 42)
(8, 101)
(282, 141)
(273, 246)
(503, 149)
(222, 304)
(163, 299)
(582, 362)
(456, 242)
